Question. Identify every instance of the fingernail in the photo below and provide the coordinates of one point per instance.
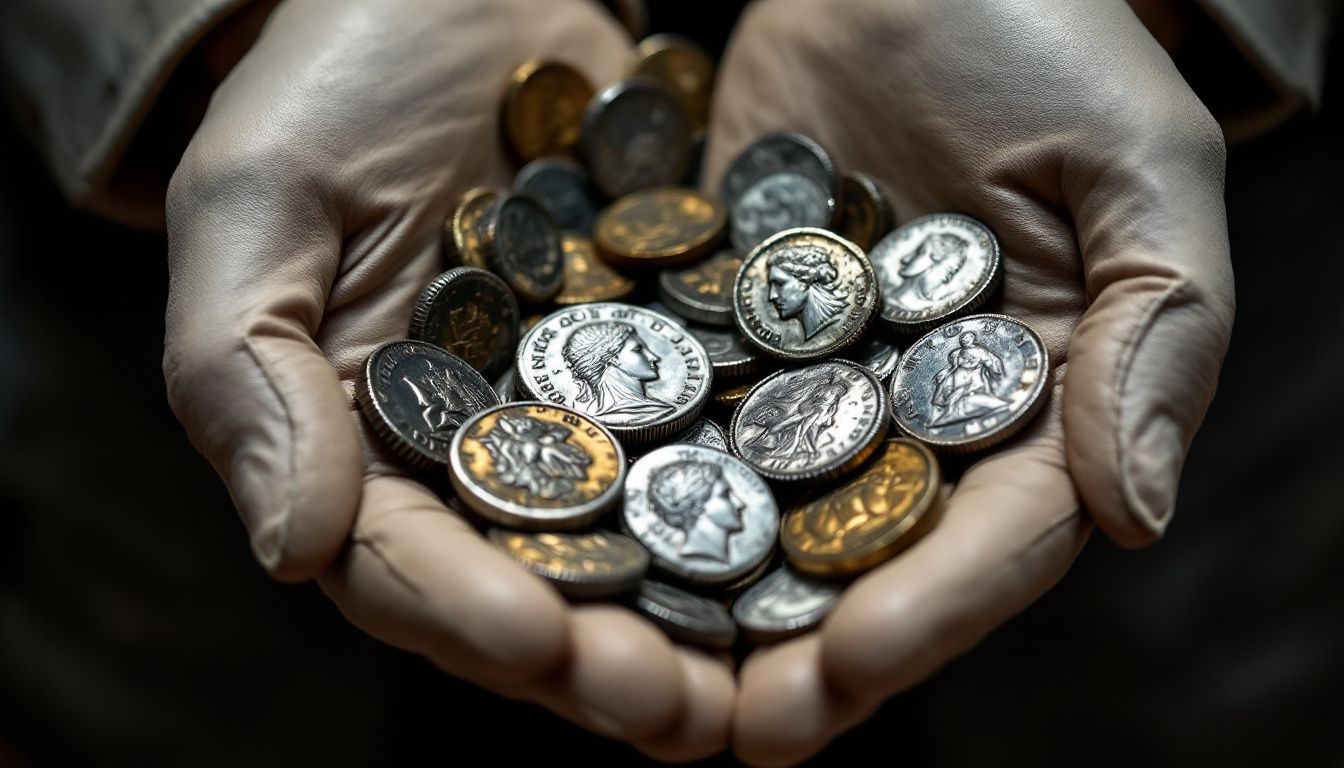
(1152, 463)
(268, 542)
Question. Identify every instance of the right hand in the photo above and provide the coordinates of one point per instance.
(303, 221)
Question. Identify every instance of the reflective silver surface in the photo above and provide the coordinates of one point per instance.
(784, 604)
(935, 268)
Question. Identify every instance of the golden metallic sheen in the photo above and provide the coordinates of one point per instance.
(543, 109)
(593, 558)
(461, 231)
(588, 279)
(869, 519)
(665, 226)
(684, 68)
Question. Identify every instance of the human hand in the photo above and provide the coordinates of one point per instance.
(303, 221)
(1068, 130)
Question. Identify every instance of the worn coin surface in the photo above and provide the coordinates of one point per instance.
(416, 395)
(561, 186)
(635, 136)
(866, 213)
(522, 245)
(659, 227)
(684, 68)
(704, 514)
(581, 565)
(804, 294)
(775, 202)
(686, 617)
(971, 383)
(472, 314)
(461, 237)
(870, 518)
(876, 354)
(536, 466)
(935, 268)
(778, 152)
(784, 604)
(543, 109)
(729, 354)
(702, 293)
(703, 432)
(640, 374)
(811, 423)
(587, 278)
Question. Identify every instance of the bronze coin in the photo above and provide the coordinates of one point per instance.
(684, 68)
(461, 238)
(588, 279)
(472, 314)
(543, 109)
(865, 210)
(580, 565)
(667, 226)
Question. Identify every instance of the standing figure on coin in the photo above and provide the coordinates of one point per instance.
(611, 363)
(928, 271)
(805, 285)
(695, 498)
(444, 401)
(964, 388)
(536, 455)
(797, 428)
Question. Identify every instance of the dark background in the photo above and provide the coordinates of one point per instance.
(136, 629)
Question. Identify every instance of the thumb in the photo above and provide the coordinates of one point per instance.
(1144, 361)
(250, 264)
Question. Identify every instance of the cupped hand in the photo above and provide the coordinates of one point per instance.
(303, 221)
(1067, 129)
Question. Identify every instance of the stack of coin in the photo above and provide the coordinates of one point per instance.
(695, 404)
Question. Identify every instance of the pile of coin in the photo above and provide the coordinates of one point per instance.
(698, 415)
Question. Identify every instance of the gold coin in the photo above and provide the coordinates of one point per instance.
(592, 564)
(865, 211)
(587, 278)
(543, 109)
(461, 235)
(660, 227)
(684, 68)
(869, 519)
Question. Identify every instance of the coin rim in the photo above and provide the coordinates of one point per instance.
(517, 80)
(832, 208)
(489, 227)
(484, 197)
(977, 297)
(578, 588)
(760, 634)
(873, 191)
(682, 253)
(592, 116)
(714, 637)
(812, 145)
(686, 306)
(429, 300)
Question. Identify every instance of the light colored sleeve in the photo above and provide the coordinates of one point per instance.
(80, 76)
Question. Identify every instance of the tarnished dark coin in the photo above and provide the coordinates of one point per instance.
(415, 395)
(640, 374)
(635, 136)
(876, 354)
(866, 213)
(812, 423)
(686, 617)
(971, 384)
(589, 279)
(543, 109)
(702, 293)
(472, 314)
(522, 245)
(684, 68)
(775, 202)
(703, 432)
(536, 466)
(561, 186)
(695, 165)
(461, 236)
(659, 227)
(504, 388)
(581, 565)
(729, 354)
(704, 514)
(804, 294)
(869, 519)
(778, 152)
(784, 604)
(935, 268)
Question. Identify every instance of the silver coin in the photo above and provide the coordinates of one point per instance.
(472, 314)
(775, 202)
(729, 354)
(702, 293)
(686, 617)
(416, 395)
(784, 604)
(811, 423)
(636, 371)
(704, 514)
(504, 388)
(586, 565)
(635, 136)
(876, 354)
(562, 187)
(971, 383)
(522, 246)
(804, 294)
(536, 466)
(703, 432)
(778, 152)
(935, 268)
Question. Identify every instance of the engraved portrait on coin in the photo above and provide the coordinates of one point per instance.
(634, 370)
(703, 514)
(778, 201)
(935, 268)
(804, 294)
(810, 423)
(971, 383)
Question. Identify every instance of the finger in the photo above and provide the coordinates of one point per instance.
(705, 723)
